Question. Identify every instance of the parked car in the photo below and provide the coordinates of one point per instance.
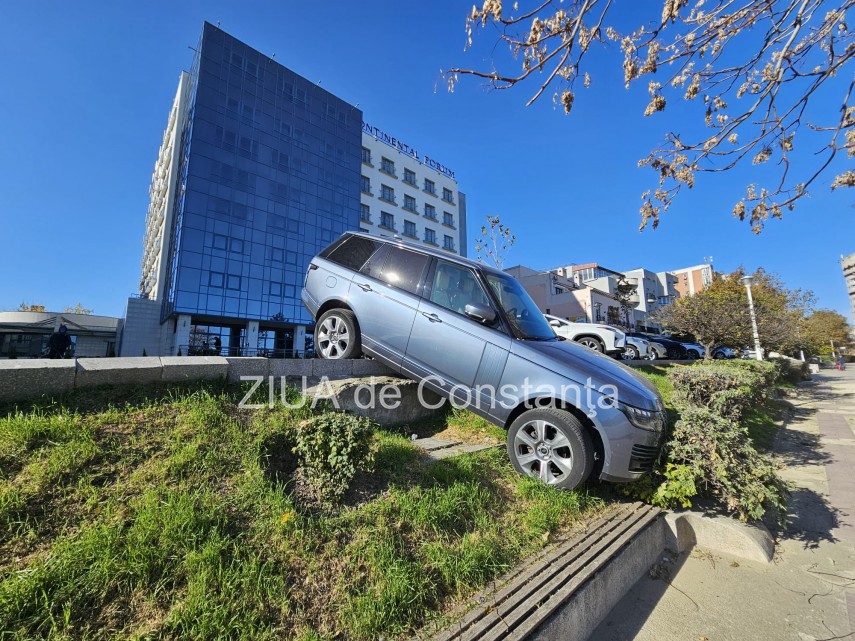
(657, 350)
(600, 338)
(637, 348)
(722, 352)
(694, 351)
(673, 349)
(465, 330)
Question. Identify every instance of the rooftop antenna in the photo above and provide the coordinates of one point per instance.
(218, 24)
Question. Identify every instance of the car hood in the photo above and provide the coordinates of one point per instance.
(592, 369)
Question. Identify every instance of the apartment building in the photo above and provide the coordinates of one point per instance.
(691, 280)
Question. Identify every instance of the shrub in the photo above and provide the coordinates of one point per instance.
(791, 370)
(715, 454)
(720, 388)
(332, 448)
(769, 370)
(710, 452)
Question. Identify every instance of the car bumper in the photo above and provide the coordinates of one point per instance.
(629, 452)
(309, 303)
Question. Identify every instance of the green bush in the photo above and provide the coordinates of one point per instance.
(332, 448)
(715, 455)
(721, 388)
(791, 370)
(710, 453)
(769, 370)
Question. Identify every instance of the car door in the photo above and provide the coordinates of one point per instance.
(384, 297)
(454, 350)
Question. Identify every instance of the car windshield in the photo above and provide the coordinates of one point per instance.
(526, 319)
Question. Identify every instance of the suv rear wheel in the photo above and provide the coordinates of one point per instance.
(551, 445)
(337, 335)
(630, 353)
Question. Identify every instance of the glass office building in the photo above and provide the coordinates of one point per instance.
(259, 170)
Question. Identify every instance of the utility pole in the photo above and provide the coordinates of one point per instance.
(747, 280)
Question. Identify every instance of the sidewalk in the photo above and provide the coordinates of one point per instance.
(808, 592)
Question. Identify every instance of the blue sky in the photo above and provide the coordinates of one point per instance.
(87, 87)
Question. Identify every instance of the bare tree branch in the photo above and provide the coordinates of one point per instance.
(794, 48)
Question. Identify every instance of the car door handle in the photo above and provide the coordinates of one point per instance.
(365, 287)
(433, 318)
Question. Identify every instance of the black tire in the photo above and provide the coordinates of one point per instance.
(630, 353)
(592, 343)
(692, 355)
(719, 355)
(337, 335)
(551, 445)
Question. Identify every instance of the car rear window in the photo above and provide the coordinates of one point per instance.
(353, 252)
(404, 269)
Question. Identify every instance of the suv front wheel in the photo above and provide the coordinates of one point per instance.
(551, 445)
(337, 335)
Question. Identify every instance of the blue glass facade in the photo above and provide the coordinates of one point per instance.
(269, 174)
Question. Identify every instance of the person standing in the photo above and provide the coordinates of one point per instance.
(59, 342)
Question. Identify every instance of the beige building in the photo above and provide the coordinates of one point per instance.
(560, 296)
(691, 280)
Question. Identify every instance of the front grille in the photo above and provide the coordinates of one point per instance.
(642, 458)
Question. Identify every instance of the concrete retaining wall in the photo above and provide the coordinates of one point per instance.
(28, 378)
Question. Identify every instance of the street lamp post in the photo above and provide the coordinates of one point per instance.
(747, 280)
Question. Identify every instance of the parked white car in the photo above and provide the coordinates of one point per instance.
(637, 348)
(601, 338)
(694, 351)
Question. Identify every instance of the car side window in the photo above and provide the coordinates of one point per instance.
(353, 252)
(404, 269)
(454, 287)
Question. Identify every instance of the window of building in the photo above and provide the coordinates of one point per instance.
(387, 193)
(430, 187)
(448, 243)
(448, 195)
(233, 282)
(410, 177)
(430, 212)
(410, 228)
(366, 185)
(409, 203)
(430, 236)
(387, 166)
(220, 242)
(365, 213)
(216, 279)
(447, 219)
(366, 155)
(387, 220)
(404, 269)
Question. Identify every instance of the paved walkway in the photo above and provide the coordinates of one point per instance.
(808, 592)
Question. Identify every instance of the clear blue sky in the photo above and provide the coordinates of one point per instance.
(86, 88)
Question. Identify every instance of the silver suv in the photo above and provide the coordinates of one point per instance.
(472, 334)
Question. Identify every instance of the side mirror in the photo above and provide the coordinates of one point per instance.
(481, 313)
(554, 323)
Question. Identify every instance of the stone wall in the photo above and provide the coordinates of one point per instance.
(28, 378)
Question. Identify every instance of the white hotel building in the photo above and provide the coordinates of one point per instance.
(409, 194)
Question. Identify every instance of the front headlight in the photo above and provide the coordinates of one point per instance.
(643, 419)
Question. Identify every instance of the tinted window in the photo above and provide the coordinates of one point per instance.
(353, 252)
(404, 269)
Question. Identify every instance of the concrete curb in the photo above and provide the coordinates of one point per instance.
(721, 534)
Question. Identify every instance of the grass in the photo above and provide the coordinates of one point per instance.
(167, 513)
